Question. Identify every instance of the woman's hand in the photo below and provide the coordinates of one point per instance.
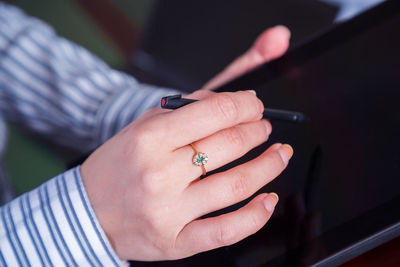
(146, 191)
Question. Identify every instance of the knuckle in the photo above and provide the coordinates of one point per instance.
(240, 185)
(224, 236)
(234, 136)
(225, 106)
(138, 137)
(151, 182)
(256, 222)
(256, 106)
(158, 239)
(164, 244)
(143, 136)
(145, 132)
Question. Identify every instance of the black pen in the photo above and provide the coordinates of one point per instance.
(176, 101)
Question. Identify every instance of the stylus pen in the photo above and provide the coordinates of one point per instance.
(176, 101)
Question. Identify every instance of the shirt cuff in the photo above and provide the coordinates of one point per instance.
(54, 225)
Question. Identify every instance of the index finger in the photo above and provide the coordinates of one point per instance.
(205, 117)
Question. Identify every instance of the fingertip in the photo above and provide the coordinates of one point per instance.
(289, 148)
(272, 43)
(275, 195)
(286, 152)
(285, 30)
(268, 126)
(270, 202)
(252, 91)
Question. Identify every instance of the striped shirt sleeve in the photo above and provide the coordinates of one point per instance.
(54, 225)
(61, 91)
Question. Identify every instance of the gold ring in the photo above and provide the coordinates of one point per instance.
(199, 159)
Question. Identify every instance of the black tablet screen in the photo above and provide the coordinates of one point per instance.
(347, 157)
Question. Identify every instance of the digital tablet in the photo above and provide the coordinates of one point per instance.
(340, 195)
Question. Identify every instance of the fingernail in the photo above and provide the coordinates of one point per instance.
(267, 127)
(252, 91)
(286, 152)
(270, 201)
(286, 29)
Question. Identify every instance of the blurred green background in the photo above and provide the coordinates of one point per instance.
(28, 162)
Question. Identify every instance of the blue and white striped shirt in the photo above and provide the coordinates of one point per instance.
(59, 90)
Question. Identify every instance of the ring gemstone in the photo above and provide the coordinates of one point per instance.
(200, 159)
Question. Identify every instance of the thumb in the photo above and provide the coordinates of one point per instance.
(270, 44)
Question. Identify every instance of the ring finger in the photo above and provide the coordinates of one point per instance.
(223, 147)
